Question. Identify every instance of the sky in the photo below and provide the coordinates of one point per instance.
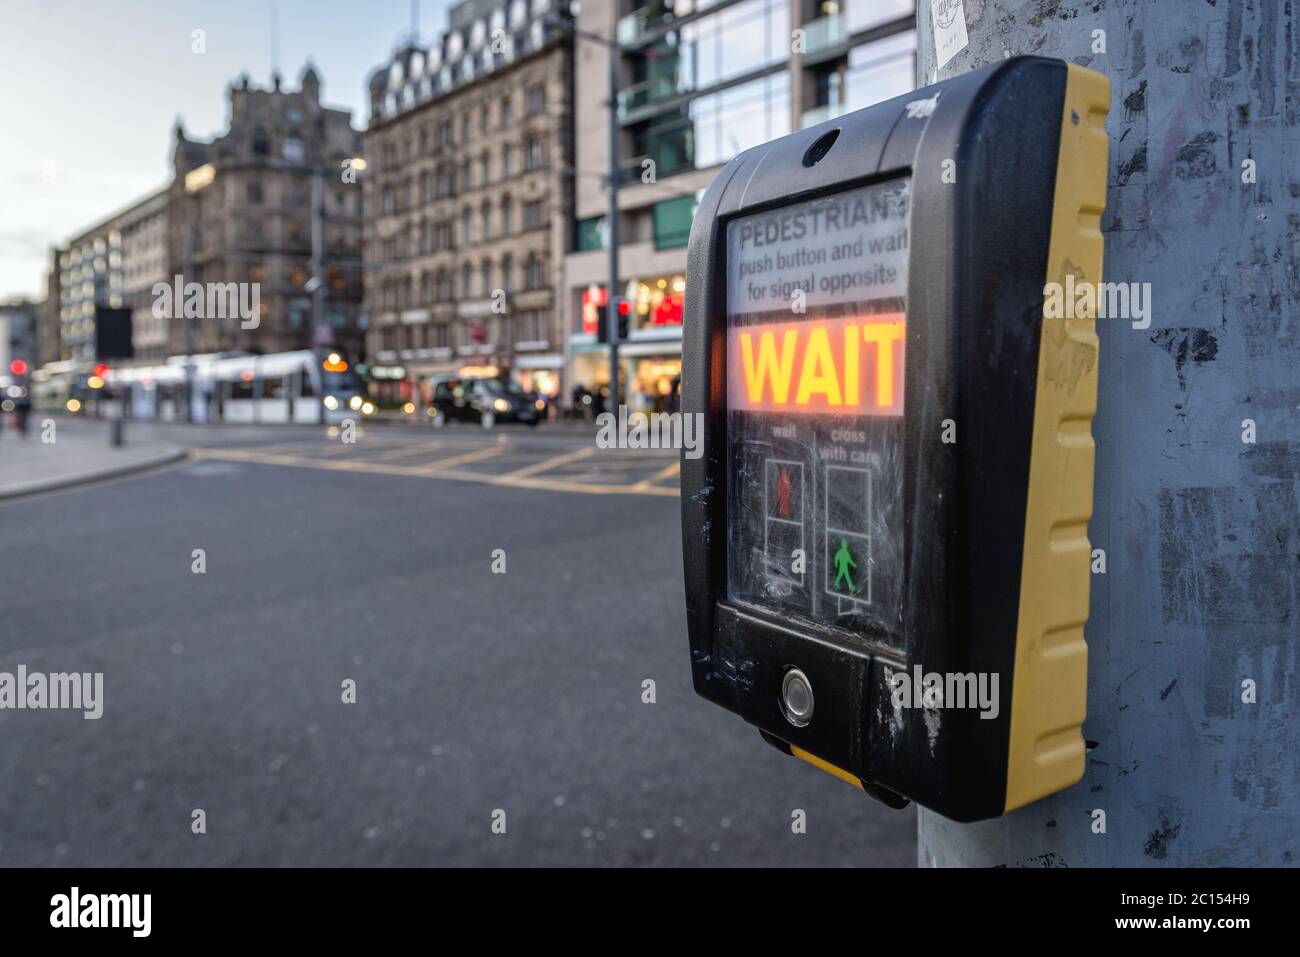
(90, 91)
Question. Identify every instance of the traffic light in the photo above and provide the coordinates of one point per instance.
(602, 318)
(885, 538)
(18, 367)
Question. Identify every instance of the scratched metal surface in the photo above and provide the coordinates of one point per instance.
(1199, 528)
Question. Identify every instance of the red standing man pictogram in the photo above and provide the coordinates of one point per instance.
(783, 492)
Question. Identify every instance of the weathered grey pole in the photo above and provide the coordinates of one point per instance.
(1194, 633)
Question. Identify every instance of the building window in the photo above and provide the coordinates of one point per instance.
(486, 270)
(466, 281)
(880, 70)
(467, 226)
(737, 118)
(729, 43)
(535, 99)
(507, 274)
(507, 215)
(672, 221)
(487, 219)
(530, 326)
(444, 285)
(534, 214)
(533, 272)
(507, 110)
(507, 160)
(532, 155)
(591, 234)
(484, 170)
(255, 193)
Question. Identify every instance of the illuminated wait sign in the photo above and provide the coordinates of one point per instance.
(844, 365)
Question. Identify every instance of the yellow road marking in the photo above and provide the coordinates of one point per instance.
(553, 462)
(336, 446)
(405, 450)
(668, 471)
(467, 457)
(287, 447)
(385, 468)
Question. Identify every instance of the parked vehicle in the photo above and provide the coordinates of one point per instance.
(485, 401)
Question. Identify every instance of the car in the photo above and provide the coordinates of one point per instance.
(485, 401)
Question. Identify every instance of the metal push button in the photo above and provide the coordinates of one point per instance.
(796, 698)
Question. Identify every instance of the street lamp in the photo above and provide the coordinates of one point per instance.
(612, 300)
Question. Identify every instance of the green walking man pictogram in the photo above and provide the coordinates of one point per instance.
(843, 562)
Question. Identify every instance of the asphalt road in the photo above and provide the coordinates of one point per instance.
(476, 692)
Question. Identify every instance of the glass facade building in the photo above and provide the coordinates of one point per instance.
(700, 82)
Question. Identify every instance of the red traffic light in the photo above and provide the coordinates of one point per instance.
(101, 370)
(18, 367)
(624, 307)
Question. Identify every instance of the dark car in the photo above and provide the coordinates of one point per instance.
(485, 401)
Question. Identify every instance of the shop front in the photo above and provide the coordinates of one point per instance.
(650, 358)
(649, 375)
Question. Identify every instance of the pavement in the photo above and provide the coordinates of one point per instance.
(61, 452)
(483, 693)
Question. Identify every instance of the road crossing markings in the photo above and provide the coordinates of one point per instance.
(390, 454)
(478, 456)
(441, 471)
(667, 472)
(553, 462)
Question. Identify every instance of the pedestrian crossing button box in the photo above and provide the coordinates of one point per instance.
(889, 517)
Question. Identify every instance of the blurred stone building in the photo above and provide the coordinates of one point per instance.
(244, 208)
(469, 197)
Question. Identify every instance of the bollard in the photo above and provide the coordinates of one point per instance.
(117, 427)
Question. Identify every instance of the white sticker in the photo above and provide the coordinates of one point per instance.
(949, 20)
